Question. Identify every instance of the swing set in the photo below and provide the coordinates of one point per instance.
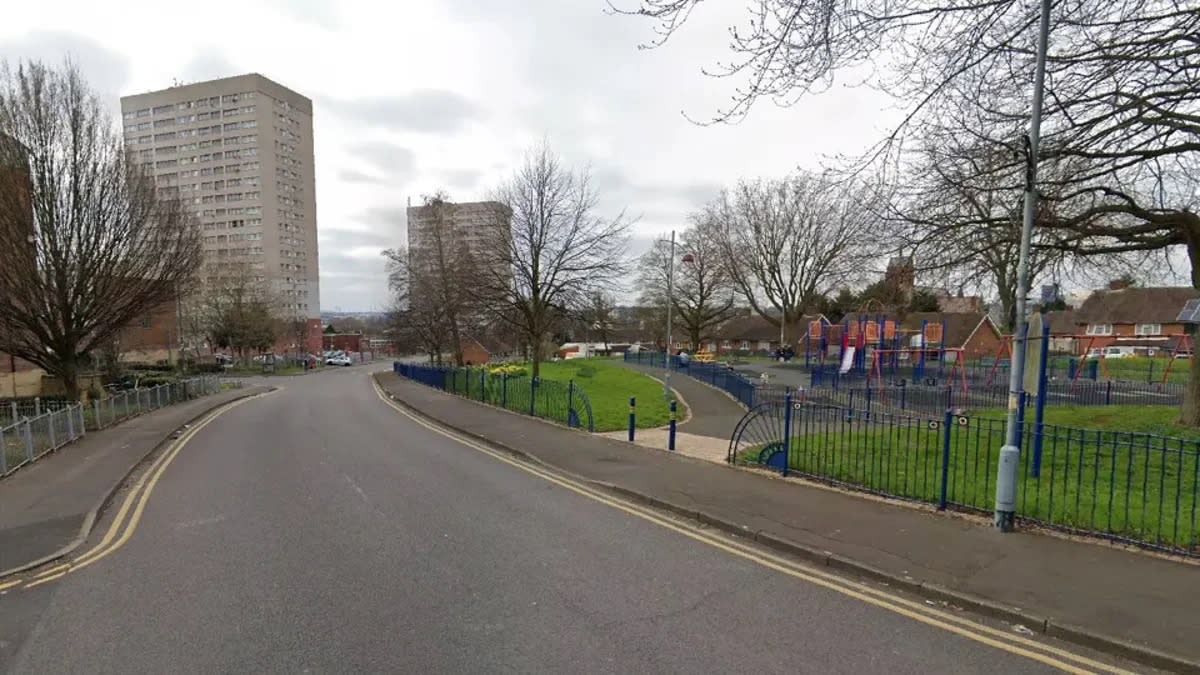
(1182, 349)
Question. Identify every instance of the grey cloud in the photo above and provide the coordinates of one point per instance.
(399, 162)
(385, 219)
(354, 176)
(423, 110)
(208, 64)
(318, 12)
(106, 70)
(462, 179)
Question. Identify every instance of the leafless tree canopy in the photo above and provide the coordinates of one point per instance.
(88, 244)
(418, 321)
(233, 307)
(704, 294)
(554, 252)
(787, 242)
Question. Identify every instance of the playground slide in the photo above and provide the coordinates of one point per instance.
(847, 360)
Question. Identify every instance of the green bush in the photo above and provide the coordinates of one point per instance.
(150, 367)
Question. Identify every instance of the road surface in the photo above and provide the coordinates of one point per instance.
(317, 530)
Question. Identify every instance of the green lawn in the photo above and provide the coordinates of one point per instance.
(1160, 420)
(606, 385)
(608, 388)
(256, 369)
(1136, 486)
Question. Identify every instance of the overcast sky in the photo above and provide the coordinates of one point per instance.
(413, 96)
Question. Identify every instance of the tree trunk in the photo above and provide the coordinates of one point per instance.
(70, 378)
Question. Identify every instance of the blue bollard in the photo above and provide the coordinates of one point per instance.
(671, 433)
(631, 418)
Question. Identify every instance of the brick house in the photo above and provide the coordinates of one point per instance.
(480, 350)
(973, 332)
(346, 342)
(755, 334)
(152, 338)
(1141, 319)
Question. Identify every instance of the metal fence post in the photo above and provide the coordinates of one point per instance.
(671, 433)
(50, 424)
(483, 385)
(632, 408)
(946, 422)
(787, 431)
(3, 453)
(532, 395)
(37, 406)
(14, 410)
(570, 399)
(1108, 393)
(28, 440)
(96, 407)
(503, 390)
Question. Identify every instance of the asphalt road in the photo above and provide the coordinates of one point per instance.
(318, 530)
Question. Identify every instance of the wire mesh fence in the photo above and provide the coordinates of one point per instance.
(26, 437)
(563, 402)
(1137, 488)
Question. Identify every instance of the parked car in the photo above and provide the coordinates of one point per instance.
(1118, 353)
(342, 360)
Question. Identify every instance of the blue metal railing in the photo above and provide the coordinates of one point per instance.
(1136, 488)
(745, 390)
(563, 402)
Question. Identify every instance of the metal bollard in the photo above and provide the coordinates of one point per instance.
(632, 408)
(671, 433)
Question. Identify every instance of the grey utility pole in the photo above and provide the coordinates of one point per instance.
(670, 301)
(1006, 478)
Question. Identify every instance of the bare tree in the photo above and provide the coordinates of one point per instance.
(418, 320)
(90, 244)
(234, 307)
(704, 294)
(785, 243)
(1120, 103)
(598, 314)
(552, 251)
(445, 268)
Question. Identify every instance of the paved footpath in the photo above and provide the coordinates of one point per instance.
(44, 506)
(714, 413)
(1077, 590)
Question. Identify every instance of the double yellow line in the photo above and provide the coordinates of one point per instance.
(130, 514)
(972, 630)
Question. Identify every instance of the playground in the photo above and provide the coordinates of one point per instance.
(871, 362)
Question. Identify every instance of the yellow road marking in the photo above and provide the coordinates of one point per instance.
(39, 582)
(92, 556)
(981, 633)
(140, 494)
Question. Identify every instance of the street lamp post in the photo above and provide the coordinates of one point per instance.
(1006, 477)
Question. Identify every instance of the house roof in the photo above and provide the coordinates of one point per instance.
(1062, 321)
(756, 329)
(491, 345)
(1135, 305)
(960, 326)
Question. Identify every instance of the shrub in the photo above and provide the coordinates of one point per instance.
(510, 369)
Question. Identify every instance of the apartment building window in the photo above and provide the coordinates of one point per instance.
(232, 140)
(146, 154)
(144, 112)
(159, 124)
(253, 195)
(189, 132)
(218, 184)
(132, 114)
(166, 150)
(231, 126)
(250, 124)
(234, 197)
(205, 158)
(246, 140)
(183, 106)
(1147, 329)
(166, 164)
(205, 144)
(1099, 329)
(158, 110)
(254, 210)
(187, 146)
(203, 116)
(164, 136)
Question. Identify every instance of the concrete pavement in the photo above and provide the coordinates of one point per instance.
(1125, 600)
(48, 506)
(714, 413)
(319, 530)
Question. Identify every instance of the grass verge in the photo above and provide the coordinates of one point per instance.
(608, 387)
